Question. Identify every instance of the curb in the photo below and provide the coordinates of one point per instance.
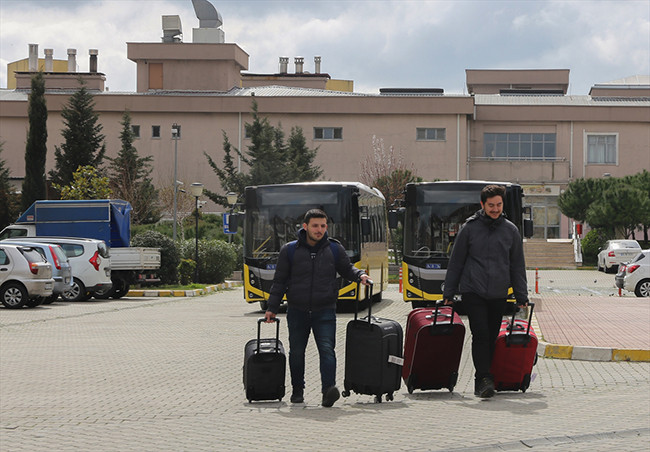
(184, 293)
(583, 353)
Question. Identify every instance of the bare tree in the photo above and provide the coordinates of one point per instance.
(185, 205)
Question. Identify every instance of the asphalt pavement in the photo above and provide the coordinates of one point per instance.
(164, 373)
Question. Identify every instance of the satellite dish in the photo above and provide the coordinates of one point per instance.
(207, 14)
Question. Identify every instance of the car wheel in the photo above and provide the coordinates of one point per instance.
(120, 287)
(76, 292)
(643, 288)
(103, 294)
(13, 296)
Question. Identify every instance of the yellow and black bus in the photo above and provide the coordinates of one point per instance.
(274, 214)
(433, 212)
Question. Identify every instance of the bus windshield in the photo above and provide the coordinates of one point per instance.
(276, 215)
(435, 220)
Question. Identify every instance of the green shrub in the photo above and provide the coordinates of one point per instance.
(169, 254)
(186, 271)
(591, 244)
(217, 259)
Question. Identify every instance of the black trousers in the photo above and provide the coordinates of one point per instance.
(485, 315)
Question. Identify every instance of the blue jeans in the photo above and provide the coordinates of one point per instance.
(323, 324)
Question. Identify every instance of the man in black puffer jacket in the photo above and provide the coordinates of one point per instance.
(487, 259)
(307, 274)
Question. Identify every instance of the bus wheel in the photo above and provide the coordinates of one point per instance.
(418, 304)
(264, 305)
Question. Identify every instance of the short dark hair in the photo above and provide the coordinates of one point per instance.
(314, 213)
(490, 191)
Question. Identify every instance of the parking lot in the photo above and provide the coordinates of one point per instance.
(154, 373)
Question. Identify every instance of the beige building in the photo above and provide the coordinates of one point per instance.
(514, 125)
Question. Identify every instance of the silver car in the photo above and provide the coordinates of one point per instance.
(25, 276)
(61, 268)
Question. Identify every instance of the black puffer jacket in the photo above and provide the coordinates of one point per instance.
(487, 259)
(310, 284)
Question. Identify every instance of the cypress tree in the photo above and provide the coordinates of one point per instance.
(34, 186)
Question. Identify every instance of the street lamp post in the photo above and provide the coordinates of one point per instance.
(196, 190)
(176, 130)
(231, 197)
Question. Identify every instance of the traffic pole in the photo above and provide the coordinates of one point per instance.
(537, 280)
(400, 280)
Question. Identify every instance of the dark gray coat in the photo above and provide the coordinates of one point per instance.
(310, 284)
(487, 259)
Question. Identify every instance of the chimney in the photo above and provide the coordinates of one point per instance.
(33, 57)
(284, 64)
(93, 60)
(317, 64)
(299, 63)
(49, 64)
(72, 60)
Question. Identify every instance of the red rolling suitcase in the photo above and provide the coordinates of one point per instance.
(265, 366)
(515, 354)
(432, 348)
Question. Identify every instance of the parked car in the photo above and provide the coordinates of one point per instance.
(618, 279)
(615, 253)
(89, 258)
(61, 268)
(25, 276)
(637, 275)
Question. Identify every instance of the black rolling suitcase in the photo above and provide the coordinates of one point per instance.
(373, 355)
(265, 364)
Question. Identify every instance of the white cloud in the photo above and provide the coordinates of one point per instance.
(375, 43)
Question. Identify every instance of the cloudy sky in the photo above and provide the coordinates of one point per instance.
(376, 43)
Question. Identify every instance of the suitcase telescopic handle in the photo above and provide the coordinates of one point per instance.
(368, 297)
(436, 314)
(530, 318)
(277, 333)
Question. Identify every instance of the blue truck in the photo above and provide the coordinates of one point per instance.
(103, 219)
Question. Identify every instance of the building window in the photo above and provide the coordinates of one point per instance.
(136, 131)
(602, 149)
(328, 133)
(155, 131)
(426, 134)
(519, 146)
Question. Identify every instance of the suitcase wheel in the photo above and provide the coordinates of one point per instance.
(535, 362)
(345, 393)
(453, 379)
(378, 398)
(525, 383)
(389, 396)
(410, 389)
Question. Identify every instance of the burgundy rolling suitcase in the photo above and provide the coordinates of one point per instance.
(515, 354)
(432, 348)
(265, 366)
(373, 355)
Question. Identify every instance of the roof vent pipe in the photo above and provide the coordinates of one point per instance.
(72, 60)
(93, 59)
(317, 64)
(284, 64)
(33, 57)
(300, 61)
(49, 64)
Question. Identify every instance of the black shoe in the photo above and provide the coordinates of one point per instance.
(485, 388)
(330, 396)
(297, 396)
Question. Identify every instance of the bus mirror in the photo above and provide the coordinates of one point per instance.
(233, 222)
(393, 219)
(528, 228)
(365, 226)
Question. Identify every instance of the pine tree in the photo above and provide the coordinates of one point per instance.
(83, 141)
(129, 177)
(230, 178)
(266, 155)
(8, 200)
(34, 185)
(301, 159)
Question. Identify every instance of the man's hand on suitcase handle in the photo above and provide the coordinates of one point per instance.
(365, 280)
(448, 302)
(269, 317)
